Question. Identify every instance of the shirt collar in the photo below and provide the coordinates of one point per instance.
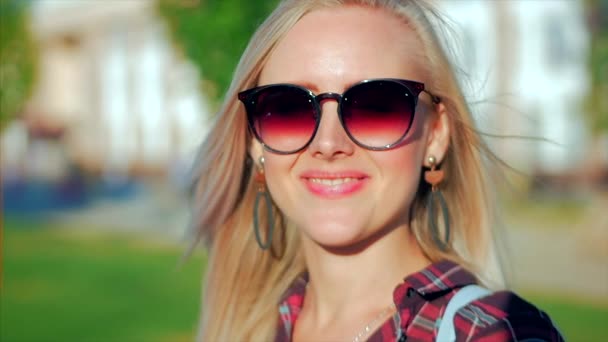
(297, 289)
(441, 276)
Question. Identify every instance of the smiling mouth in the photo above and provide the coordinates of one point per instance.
(335, 187)
(332, 181)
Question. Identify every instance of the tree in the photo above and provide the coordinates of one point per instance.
(213, 34)
(17, 58)
(597, 101)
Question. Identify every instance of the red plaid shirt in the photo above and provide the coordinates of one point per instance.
(421, 301)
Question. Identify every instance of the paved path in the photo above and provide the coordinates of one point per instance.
(556, 262)
(164, 216)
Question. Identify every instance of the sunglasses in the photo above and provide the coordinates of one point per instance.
(376, 114)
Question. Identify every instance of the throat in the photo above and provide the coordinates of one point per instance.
(356, 325)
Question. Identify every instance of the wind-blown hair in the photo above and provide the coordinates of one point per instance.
(243, 284)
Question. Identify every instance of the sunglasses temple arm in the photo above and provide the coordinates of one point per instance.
(434, 98)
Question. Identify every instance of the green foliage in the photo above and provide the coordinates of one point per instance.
(597, 101)
(213, 34)
(17, 58)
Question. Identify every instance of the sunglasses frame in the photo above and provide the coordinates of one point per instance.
(248, 98)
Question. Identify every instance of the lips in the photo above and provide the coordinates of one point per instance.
(334, 184)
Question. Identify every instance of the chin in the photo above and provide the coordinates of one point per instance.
(335, 235)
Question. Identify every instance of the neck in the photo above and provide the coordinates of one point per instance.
(362, 282)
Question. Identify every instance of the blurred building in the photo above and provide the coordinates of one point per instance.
(112, 95)
(523, 64)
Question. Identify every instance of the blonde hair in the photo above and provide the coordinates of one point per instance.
(243, 284)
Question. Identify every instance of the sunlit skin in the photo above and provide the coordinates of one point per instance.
(355, 233)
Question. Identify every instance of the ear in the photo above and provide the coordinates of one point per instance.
(439, 134)
(255, 150)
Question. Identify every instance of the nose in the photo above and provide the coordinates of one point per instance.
(331, 140)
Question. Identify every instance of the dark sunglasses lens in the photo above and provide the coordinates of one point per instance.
(378, 113)
(284, 117)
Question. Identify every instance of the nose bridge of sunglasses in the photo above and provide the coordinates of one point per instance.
(327, 96)
(329, 123)
(321, 99)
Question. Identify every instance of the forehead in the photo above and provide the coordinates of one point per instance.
(345, 45)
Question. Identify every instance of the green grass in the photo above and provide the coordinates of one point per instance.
(579, 320)
(63, 284)
(545, 212)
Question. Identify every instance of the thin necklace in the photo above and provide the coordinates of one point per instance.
(368, 328)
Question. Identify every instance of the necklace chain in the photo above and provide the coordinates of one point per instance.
(368, 328)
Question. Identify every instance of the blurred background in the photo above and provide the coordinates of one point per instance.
(102, 105)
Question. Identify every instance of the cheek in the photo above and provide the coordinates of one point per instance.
(401, 165)
(277, 173)
(405, 161)
(401, 169)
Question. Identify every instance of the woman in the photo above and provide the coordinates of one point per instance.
(342, 190)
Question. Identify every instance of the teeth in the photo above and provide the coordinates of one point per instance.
(331, 182)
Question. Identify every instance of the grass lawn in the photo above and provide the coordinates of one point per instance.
(61, 284)
(580, 320)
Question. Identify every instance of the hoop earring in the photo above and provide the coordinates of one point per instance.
(262, 193)
(434, 177)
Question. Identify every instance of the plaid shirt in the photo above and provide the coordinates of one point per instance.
(421, 301)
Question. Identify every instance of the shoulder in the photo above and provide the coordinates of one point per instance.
(504, 316)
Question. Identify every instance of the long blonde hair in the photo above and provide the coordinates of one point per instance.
(243, 284)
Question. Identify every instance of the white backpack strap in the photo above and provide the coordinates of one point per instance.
(462, 298)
